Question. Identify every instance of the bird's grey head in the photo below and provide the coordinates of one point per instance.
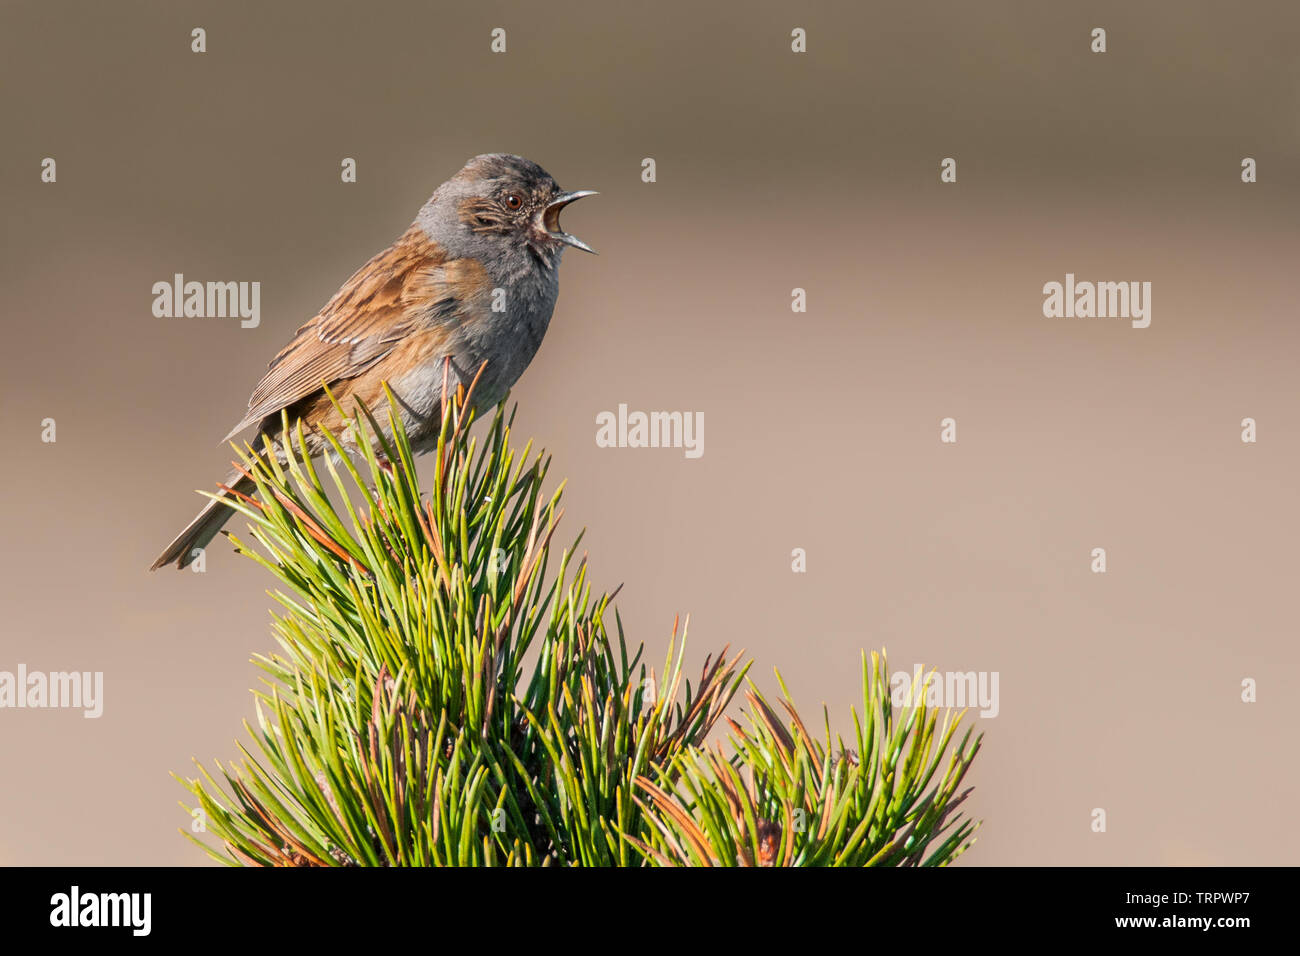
(501, 208)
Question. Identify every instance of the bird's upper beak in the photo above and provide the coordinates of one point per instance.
(550, 219)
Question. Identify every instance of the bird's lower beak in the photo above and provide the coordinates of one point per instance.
(551, 219)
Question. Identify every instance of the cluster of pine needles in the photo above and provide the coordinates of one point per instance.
(442, 696)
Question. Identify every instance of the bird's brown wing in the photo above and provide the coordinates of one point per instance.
(407, 287)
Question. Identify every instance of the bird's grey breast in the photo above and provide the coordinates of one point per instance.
(522, 297)
(509, 339)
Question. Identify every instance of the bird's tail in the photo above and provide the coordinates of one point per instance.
(204, 527)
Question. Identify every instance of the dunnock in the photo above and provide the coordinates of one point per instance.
(471, 284)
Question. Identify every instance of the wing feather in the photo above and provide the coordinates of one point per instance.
(407, 287)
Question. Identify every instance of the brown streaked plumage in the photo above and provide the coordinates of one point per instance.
(391, 296)
(421, 308)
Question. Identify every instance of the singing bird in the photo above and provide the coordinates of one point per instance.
(470, 286)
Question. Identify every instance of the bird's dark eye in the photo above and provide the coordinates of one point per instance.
(513, 201)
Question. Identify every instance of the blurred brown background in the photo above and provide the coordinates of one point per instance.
(775, 171)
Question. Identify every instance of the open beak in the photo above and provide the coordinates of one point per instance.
(551, 219)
